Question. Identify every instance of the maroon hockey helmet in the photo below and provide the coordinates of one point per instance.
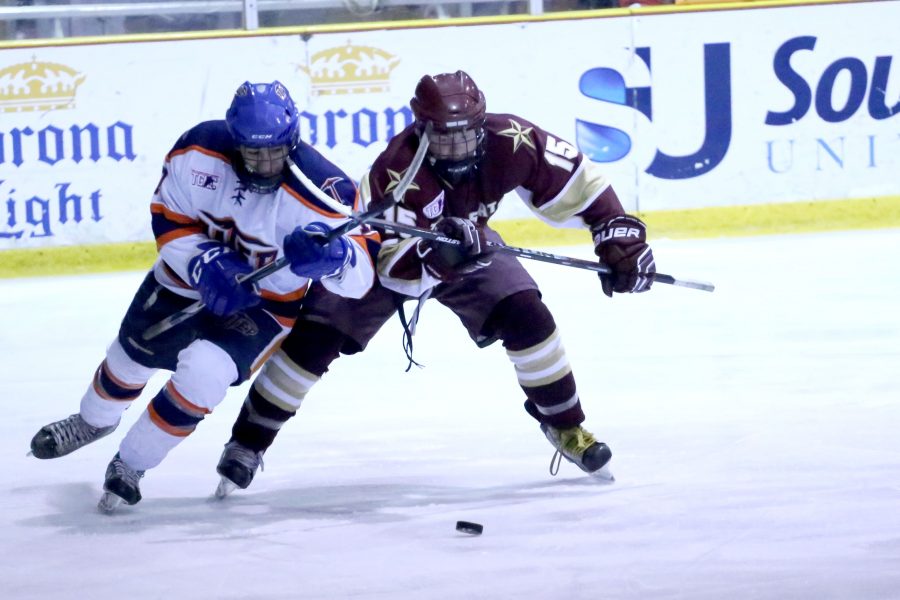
(455, 107)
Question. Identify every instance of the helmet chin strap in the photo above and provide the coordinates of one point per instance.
(257, 183)
(455, 171)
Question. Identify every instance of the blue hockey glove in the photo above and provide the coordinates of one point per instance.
(214, 274)
(621, 244)
(312, 256)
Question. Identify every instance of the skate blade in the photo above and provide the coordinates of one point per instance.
(604, 475)
(108, 503)
(224, 488)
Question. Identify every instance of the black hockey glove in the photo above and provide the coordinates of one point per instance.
(449, 262)
(621, 244)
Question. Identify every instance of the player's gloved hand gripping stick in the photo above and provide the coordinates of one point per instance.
(533, 254)
(354, 221)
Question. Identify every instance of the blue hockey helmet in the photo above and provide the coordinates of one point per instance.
(264, 124)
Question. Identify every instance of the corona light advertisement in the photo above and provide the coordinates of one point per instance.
(355, 100)
(46, 145)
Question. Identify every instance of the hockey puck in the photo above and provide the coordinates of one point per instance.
(469, 527)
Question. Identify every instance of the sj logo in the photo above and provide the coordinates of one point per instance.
(620, 99)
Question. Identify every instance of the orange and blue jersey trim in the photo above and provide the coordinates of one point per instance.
(169, 225)
(173, 413)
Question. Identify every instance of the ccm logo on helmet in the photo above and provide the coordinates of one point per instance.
(619, 232)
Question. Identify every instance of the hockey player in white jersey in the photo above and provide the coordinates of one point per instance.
(230, 201)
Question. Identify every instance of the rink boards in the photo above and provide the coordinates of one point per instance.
(708, 122)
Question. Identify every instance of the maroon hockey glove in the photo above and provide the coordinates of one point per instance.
(449, 262)
(621, 244)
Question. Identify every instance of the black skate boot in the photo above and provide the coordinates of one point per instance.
(579, 447)
(122, 485)
(65, 436)
(237, 466)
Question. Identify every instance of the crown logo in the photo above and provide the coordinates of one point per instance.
(36, 85)
(350, 70)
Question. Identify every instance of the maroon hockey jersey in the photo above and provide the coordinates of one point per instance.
(556, 181)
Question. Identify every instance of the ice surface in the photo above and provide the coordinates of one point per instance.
(755, 433)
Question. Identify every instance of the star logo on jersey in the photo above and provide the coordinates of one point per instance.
(395, 179)
(519, 136)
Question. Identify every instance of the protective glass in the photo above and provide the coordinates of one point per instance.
(265, 162)
(456, 144)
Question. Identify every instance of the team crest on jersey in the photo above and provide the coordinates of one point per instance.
(330, 186)
(435, 208)
(238, 196)
(206, 181)
(243, 324)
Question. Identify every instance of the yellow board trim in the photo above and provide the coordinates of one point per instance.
(728, 221)
(77, 260)
(720, 221)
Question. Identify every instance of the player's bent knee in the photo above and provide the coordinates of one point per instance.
(313, 346)
(521, 320)
(203, 373)
(123, 367)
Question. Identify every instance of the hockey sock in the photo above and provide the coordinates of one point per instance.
(117, 382)
(284, 382)
(534, 346)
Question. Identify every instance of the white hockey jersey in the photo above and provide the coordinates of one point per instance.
(200, 198)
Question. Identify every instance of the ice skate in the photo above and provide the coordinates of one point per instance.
(62, 437)
(122, 485)
(237, 466)
(579, 447)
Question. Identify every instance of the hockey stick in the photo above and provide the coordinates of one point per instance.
(395, 196)
(535, 254)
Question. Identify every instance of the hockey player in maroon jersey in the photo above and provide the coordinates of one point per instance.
(474, 159)
(235, 195)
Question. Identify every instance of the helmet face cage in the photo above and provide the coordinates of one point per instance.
(264, 162)
(456, 144)
(264, 123)
(455, 107)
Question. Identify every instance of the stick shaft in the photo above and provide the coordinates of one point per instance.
(539, 255)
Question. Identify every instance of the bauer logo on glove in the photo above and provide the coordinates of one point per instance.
(621, 244)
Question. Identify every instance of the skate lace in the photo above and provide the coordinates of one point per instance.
(247, 457)
(72, 431)
(572, 444)
(125, 473)
(555, 461)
